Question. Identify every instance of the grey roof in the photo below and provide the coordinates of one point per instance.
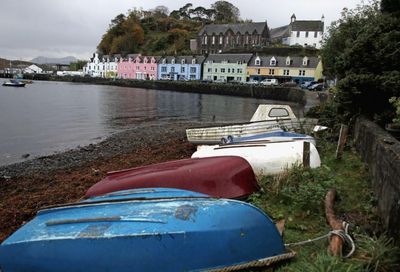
(178, 59)
(230, 58)
(279, 32)
(241, 28)
(281, 61)
(307, 26)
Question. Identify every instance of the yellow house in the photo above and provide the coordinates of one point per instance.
(298, 69)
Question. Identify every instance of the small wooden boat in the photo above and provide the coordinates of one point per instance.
(226, 177)
(275, 136)
(14, 83)
(183, 233)
(266, 158)
(267, 118)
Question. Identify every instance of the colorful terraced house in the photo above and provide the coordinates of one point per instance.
(136, 66)
(226, 67)
(180, 67)
(297, 69)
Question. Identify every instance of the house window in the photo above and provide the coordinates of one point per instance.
(213, 39)
(209, 70)
(193, 61)
(306, 34)
(221, 39)
(258, 71)
(271, 71)
(163, 61)
(239, 71)
(229, 70)
(302, 72)
(193, 70)
(173, 61)
(192, 77)
(315, 34)
(183, 61)
(152, 68)
(298, 34)
(182, 69)
(258, 61)
(205, 39)
(172, 69)
(238, 39)
(226, 40)
(233, 70)
(222, 70)
(273, 62)
(238, 78)
(216, 70)
(285, 72)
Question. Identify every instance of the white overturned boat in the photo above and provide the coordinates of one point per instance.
(267, 118)
(265, 158)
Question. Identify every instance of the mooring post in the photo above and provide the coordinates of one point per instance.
(342, 141)
(306, 154)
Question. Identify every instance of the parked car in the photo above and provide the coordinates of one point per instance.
(220, 80)
(316, 87)
(307, 84)
(270, 82)
(253, 82)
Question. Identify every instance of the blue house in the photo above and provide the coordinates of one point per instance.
(180, 67)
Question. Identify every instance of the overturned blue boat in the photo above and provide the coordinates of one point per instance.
(147, 231)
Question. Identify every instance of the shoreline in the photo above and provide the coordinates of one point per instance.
(29, 186)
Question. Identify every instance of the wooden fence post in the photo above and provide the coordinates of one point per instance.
(306, 154)
(342, 141)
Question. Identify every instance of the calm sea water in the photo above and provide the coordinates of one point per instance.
(48, 117)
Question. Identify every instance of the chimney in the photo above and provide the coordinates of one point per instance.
(322, 18)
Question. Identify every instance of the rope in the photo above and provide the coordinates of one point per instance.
(343, 234)
(257, 263)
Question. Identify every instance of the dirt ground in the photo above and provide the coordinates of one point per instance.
(27, 187)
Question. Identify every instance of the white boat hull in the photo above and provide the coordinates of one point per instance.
(264, 158)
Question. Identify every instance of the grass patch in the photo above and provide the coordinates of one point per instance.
(298, 197)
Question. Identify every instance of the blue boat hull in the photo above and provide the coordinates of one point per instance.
(171, 234)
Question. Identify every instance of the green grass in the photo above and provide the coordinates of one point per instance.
(298, 197)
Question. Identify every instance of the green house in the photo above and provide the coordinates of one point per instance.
(226, 67)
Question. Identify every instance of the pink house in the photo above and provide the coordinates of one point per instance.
(136, 66)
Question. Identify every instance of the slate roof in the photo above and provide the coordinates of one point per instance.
(281, 61)
(307, 26)
(242, 28)
(279, 32)
(230, 58)
(178, 59)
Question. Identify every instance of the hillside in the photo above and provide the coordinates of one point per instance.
(47, 60)
(5, 63)
(159, 32)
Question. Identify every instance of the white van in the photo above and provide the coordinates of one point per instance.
(269, 82)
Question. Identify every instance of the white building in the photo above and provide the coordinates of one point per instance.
(105, 66)
(33, 69)
(304, 33)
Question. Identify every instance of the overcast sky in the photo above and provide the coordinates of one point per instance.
(60, 28)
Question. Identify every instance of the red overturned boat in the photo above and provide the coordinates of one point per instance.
(222, 177)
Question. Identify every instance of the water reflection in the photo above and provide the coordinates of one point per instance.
(46, 117)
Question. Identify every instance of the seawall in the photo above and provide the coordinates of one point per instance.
(243, 90)
(381, 152)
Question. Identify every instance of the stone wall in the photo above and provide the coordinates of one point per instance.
(382, 154)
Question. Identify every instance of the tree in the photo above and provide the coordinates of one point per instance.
(225, 12)
(362, 53)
